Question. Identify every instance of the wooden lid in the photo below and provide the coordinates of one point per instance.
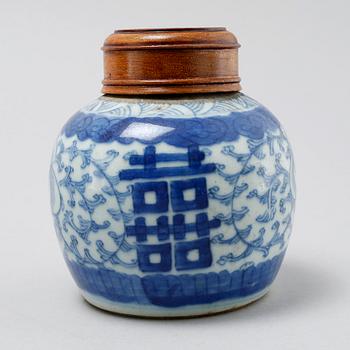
(170, 61)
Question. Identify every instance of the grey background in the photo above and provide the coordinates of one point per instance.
(294, 58)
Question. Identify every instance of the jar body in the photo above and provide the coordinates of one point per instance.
(173, 207)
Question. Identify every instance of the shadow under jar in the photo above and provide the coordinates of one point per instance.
(173, 193)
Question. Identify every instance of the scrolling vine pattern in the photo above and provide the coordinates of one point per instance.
(72, 227)
(277, 212)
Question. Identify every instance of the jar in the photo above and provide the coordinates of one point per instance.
(173, 193)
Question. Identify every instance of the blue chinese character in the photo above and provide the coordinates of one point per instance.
(178, 230)
(161, 252)
(150, 159)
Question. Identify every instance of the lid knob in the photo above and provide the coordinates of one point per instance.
(170, 61)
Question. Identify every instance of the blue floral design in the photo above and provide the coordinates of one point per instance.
(278, 182)
(72, 226)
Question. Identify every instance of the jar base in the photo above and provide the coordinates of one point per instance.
(147, 311)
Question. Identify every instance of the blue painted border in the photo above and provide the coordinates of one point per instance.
(203, 131)
(175, 290)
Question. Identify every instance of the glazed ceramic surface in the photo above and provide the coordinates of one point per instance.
(173, 207)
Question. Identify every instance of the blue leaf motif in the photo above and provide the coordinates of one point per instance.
(226, 199)
(230, 151)
(82, 229)
(112, 257)
(247, 169)
(276, 182)
(90, 204)
(267, 216)
(262, 198)
(241, 234)
(89, 258)
(239, 189)
(230, 178)
(239, 214)
(105, 162)
(115, 214)
(108, 190)
(120, 241)
(95, 227)
(235, 215)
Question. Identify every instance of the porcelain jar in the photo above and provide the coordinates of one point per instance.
(173, 205)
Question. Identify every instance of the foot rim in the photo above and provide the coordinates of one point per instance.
(158, 312)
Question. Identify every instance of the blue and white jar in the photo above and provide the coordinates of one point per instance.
(174, 206)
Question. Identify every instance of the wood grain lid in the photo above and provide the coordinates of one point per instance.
(170, 61)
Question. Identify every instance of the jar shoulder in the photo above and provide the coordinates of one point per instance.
(198, 120)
